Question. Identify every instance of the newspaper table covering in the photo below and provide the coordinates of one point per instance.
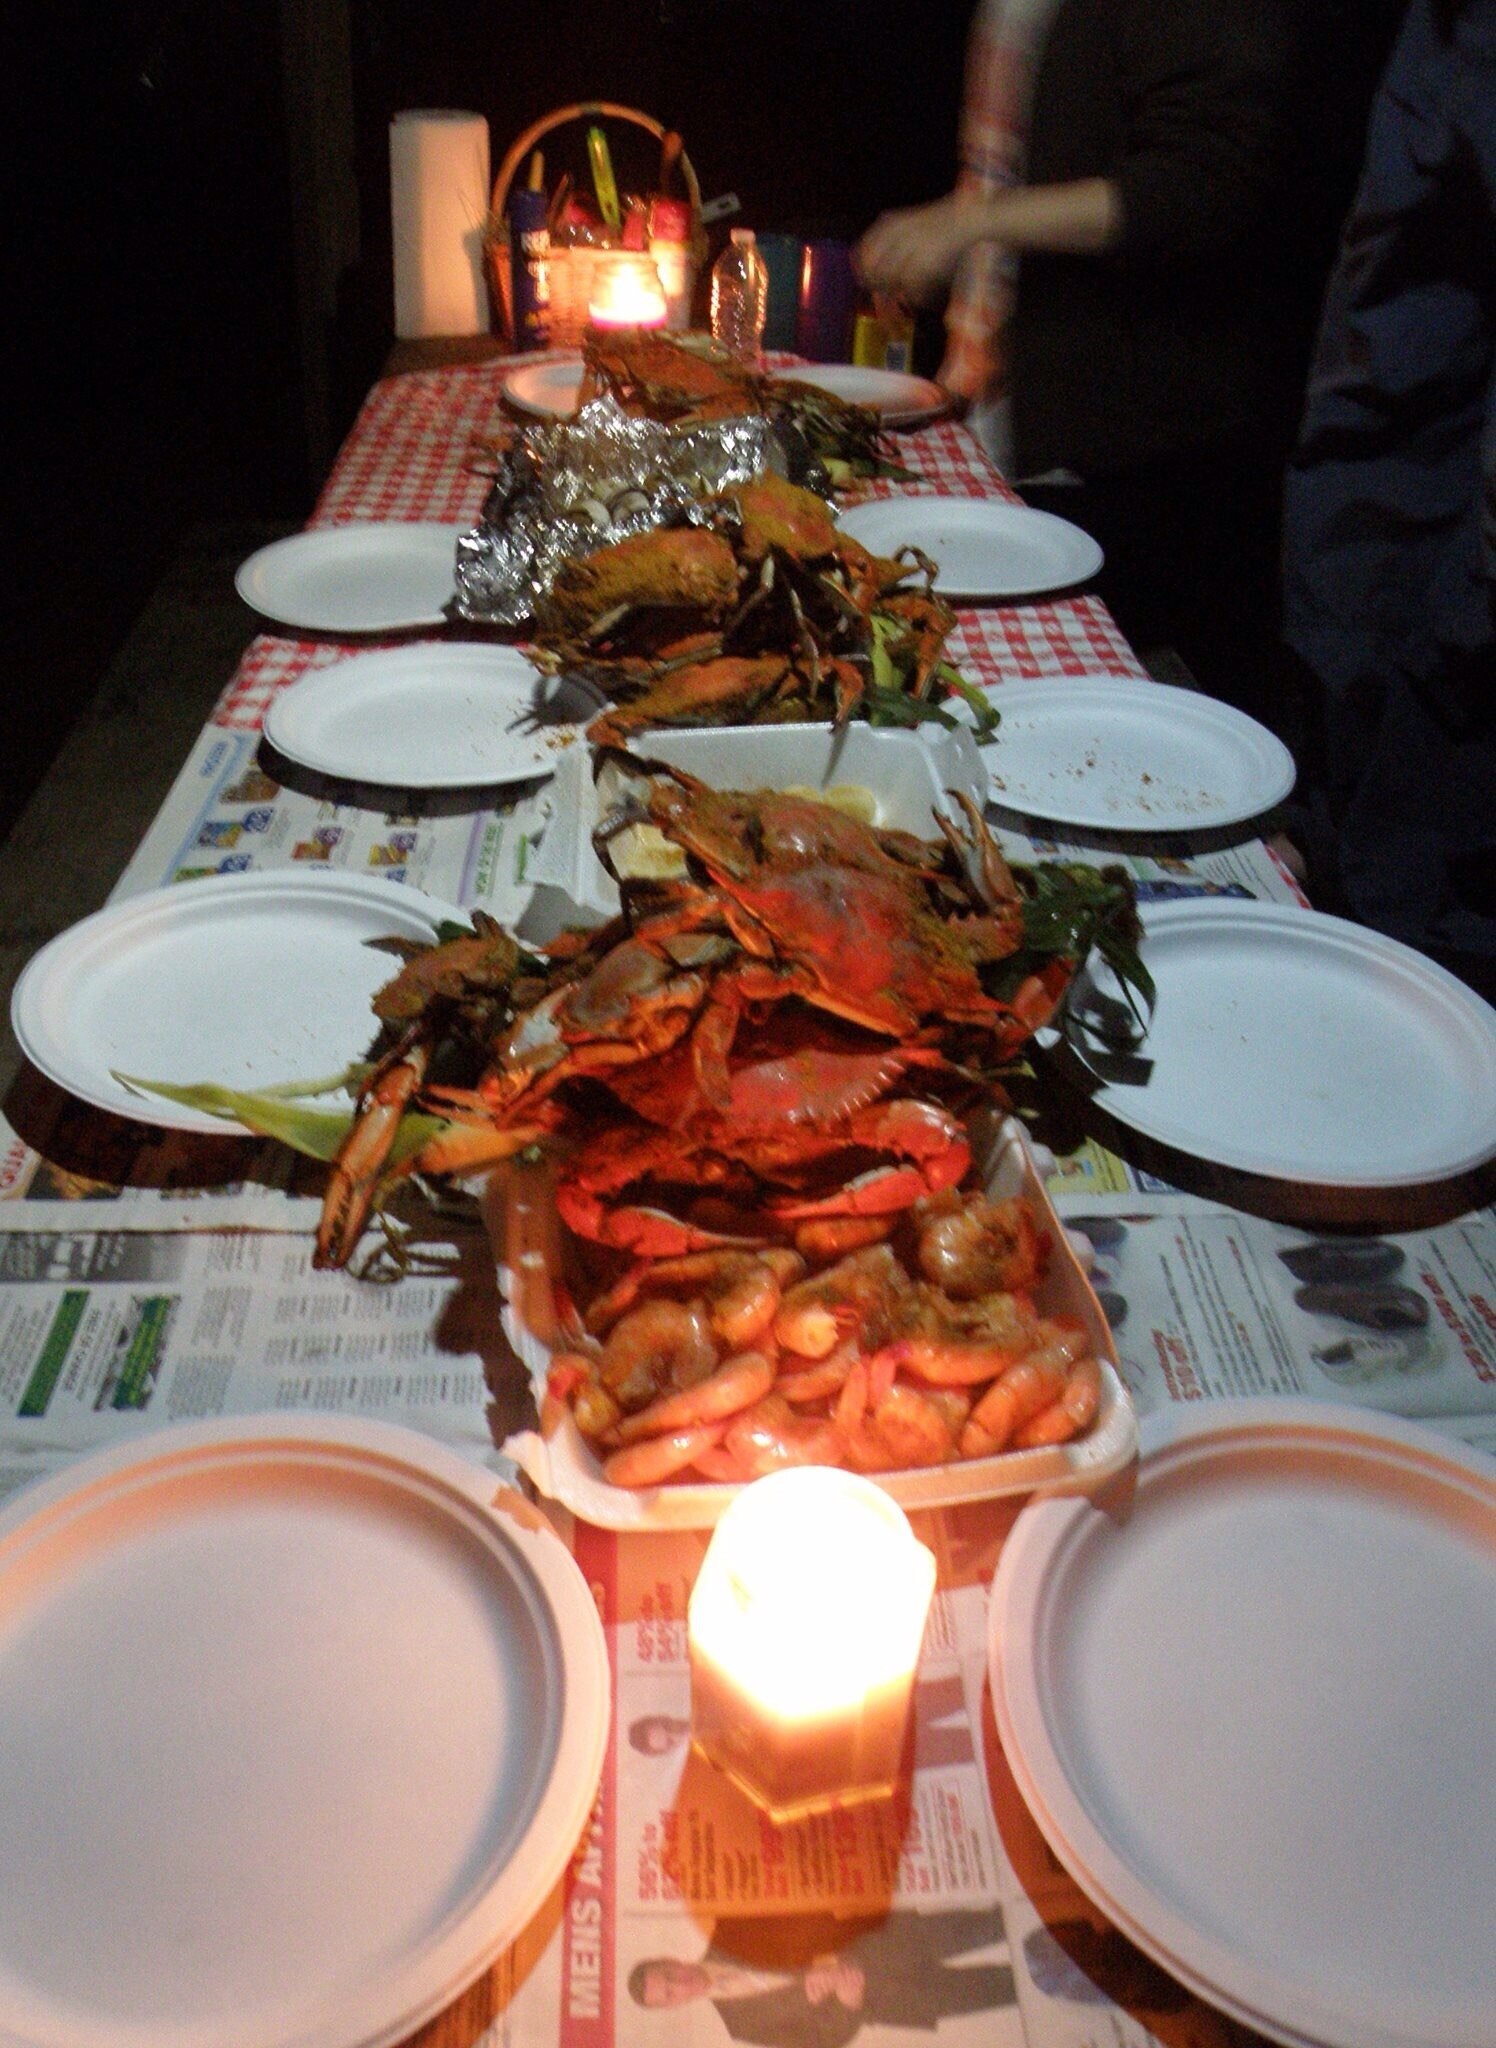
(148, 1276)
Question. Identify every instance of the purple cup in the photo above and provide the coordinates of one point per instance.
(828, 302)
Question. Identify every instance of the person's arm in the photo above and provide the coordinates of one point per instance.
(915, 253)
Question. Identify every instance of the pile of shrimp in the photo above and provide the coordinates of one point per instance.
(726, 1365)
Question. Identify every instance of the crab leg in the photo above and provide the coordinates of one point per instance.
(361, 1156)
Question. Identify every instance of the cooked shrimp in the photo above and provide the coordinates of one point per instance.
(819, 1313)
(1026, 1388)
(832, 1237)
(981, 1247)
(660, 1457)
(658, 1344)
(1074, 1411)
(802, 1384)
(953, 1405)
(912, 1427)
(718, 1464)
(770, 1436)
(741, 1290)
(962, 1344)
(735, 1385)
(594, 1409)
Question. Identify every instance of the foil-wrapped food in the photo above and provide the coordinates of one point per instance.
(563, 490)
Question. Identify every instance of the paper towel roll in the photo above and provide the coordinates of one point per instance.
(438, 203)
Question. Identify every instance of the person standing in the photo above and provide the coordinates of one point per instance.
(1112, 249)
(1390, 525)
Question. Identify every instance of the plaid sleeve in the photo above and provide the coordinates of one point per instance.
(992, 119)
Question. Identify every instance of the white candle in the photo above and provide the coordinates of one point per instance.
(805, 1626)
(626, 292)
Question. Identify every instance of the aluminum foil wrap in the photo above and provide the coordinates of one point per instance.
(567, 489)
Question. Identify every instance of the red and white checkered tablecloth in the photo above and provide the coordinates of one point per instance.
(410, 455)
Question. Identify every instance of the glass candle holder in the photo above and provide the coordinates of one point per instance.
(626, 291)
(804, 1630)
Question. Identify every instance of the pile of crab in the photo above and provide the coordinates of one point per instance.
(761, 611)
(676, 381)
(754, 1086)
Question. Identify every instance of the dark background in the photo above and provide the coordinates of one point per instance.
(200, 267)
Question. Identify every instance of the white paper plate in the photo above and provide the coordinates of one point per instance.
(902, 400)
(1132, 756)
(374, 576)
(244, 980)
(438, 715)
(1253, 1716)
(547, 390)
(300, 1719)
(1300, 1046)
(985, 547)
(565, 1468)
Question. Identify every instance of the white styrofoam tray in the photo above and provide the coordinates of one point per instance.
(564, 1467)
(908, 773)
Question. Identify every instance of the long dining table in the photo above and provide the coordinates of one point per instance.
(149, 1277)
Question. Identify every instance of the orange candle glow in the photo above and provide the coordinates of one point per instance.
(804, 1626)
(626, 292)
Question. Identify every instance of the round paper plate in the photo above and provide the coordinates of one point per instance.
(547, 390)
(1253, 1716)
(984, 547)
(900, 399)
(1127, 756)
(376, 576)
(1302, 1047)
(244, 980)
(436, 715)
(300, 1720)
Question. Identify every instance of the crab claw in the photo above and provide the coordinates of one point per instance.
(934, 1154)
(647, 1233)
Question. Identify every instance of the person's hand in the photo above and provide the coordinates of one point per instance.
(834, 1977)
(915, 253)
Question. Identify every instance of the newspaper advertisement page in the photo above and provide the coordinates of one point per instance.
(106, 1331)
(226, 815)
(1206, 1302)
(724, 1925)
(688, 1914)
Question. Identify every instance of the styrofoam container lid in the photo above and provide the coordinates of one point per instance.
(908, 774)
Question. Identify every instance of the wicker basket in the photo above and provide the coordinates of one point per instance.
(570, 269)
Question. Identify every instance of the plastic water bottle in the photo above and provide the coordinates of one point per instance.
(740, 297)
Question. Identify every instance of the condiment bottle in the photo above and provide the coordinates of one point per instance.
(529, 263)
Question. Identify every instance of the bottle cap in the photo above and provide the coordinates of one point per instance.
(744, 237)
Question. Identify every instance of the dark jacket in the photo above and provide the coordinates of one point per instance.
(1165, 346)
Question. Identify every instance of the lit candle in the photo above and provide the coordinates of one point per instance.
(626, 291)
(805, 1625)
